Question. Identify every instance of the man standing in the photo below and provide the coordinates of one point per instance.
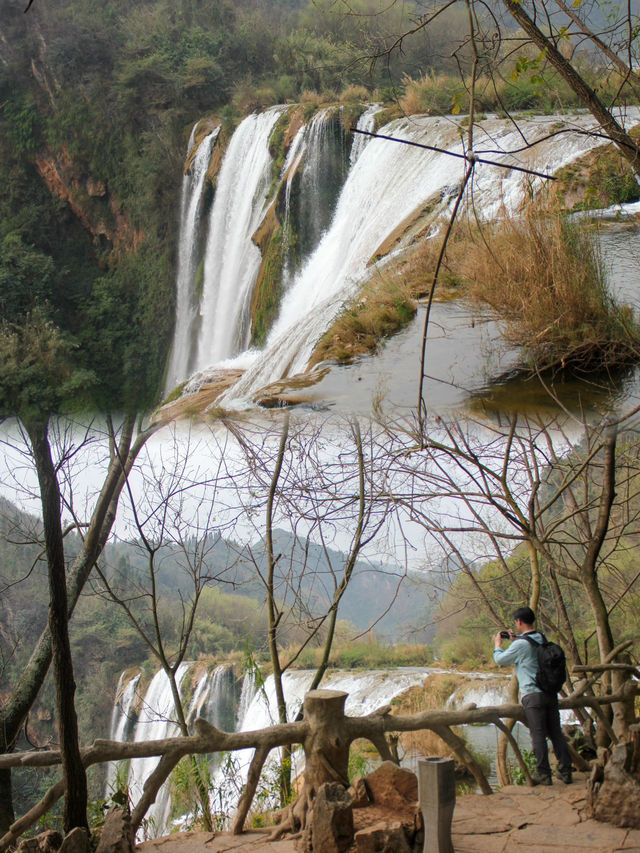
(541, 709)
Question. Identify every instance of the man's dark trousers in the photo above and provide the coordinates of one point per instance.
(543, 719)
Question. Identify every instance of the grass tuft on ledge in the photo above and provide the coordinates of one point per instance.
(542, 276)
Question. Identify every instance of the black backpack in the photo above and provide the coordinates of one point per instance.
(552, 664)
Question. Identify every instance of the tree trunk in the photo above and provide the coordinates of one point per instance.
(592, 102)
(7, 815)
(75, 779)
(326, 752)
(16, 708)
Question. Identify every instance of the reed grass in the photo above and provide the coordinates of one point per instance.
(543, 277)
(431, 697)
(512, 92)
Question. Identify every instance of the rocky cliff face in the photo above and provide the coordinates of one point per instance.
(98, 211)
(25, 43)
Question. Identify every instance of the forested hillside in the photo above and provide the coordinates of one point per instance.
(98, 100)
(231, 618)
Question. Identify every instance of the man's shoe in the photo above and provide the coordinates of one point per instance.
(565, 775)
(539, 779)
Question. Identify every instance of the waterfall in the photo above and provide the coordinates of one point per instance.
(381, 190)
(323, 173)
(215, 697)
(220, 709)
(295, 156)
(122, 721)
(181, 362)
(345, 212)
(388, 184)
(316, 158)
(232, 260)
(156, 720)
(366, 122)
(367, 691)
(486, 691)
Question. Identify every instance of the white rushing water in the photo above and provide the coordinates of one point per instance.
(216, 698)
(231, 259)
(366, 124)
(387, 186)
(157, 719)
(181, 363)
(388, 183)
(122, 720)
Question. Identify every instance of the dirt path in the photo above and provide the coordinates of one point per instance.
(527, 820)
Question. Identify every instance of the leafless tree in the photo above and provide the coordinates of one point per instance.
(49, 447)
(565, 491)
(176, 522)
(325, 484)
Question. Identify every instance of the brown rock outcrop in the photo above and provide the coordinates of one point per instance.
(614, 792)
(382, 838)
(390, 822)
(46, 842)
(117, 836)
(76, 841)
(98, 212)
(330, 827)
(392, 786)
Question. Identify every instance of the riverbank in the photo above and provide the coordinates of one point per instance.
(530, 820)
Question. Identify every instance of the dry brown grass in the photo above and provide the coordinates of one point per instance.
(539, 274)
(542, 276)
(431, 697)
(353, 92)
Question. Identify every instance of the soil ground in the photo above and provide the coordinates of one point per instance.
(529, 820)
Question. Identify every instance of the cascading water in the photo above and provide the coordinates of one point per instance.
(323, 174)
(231, 258)
(157, 719)
(122, 721)
(216, 699)
(181, 361)
(389, 186)
(316, 160)
(366, 123)
(222, 699)
(385, 188)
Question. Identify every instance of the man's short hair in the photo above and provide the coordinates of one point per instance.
(525, 614)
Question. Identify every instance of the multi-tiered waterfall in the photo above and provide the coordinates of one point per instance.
(217, 696)
(287, 244)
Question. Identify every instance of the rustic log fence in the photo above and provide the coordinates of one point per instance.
(325, 734)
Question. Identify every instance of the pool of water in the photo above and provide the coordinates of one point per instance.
(469, 367)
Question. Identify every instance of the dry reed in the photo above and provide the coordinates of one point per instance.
(542, 276)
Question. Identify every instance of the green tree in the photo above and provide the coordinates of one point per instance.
(36, 379)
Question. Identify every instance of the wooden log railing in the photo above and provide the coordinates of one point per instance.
(209, 739)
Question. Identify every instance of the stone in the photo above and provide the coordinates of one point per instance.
(47, 842)
(615, 792)
(393, 786)
(117, 836)
(331, 824)
(382, 838)
(359, 793)
(76, 841)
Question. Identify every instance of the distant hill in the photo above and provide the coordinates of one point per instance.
(395, 603)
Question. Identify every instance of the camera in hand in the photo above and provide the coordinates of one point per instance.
(505, 635)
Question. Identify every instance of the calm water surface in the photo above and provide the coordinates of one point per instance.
(468, 363)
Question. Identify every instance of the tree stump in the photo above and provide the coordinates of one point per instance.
(326, 752)
(614, 788)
